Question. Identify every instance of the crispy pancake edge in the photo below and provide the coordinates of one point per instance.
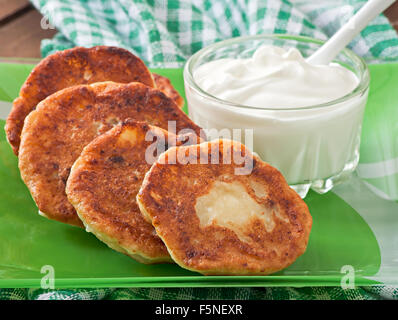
(164, 84)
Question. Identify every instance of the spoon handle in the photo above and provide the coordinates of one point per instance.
(326, 53)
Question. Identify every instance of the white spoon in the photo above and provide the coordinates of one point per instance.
(326, 53)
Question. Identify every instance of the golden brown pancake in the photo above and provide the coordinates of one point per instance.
(236, 217)
(64, 123)
(164, 84)
(104, 182)
(71, 67)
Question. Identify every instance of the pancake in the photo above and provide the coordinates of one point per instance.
(164, 84)
(64, 123)
(235, 215)
(68, 68)
(103, 185)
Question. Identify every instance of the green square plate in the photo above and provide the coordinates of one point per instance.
(340, 236)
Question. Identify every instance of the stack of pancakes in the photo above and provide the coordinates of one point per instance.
(91, 129)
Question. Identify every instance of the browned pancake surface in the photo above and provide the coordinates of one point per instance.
(164, 84)
(217, 222)
(104, 183)
(68, 68)
(64, 123)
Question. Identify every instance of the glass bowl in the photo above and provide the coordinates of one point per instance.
(314, 146)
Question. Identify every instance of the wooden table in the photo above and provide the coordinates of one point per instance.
(21, 28)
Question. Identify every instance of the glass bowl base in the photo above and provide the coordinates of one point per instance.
(322, 186)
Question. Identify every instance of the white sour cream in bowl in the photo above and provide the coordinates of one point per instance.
(306, 119)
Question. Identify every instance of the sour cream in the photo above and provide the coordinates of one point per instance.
(277, 103)
(275, 78)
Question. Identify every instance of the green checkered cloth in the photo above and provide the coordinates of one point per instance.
(165, 34)
(316, 293)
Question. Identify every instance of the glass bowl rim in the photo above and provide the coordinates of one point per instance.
(362, 86)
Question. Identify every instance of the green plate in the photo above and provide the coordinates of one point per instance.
(340, 236)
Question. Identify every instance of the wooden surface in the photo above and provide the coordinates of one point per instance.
(9, 8)
(21, 31)
(392, 15)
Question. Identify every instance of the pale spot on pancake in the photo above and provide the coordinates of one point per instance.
(128, 136)
(280, 216)
(258, 188)
(113, 121)
(98, 127)
(229, 205)
(260, 191)
(156, 197)
(87, 74)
